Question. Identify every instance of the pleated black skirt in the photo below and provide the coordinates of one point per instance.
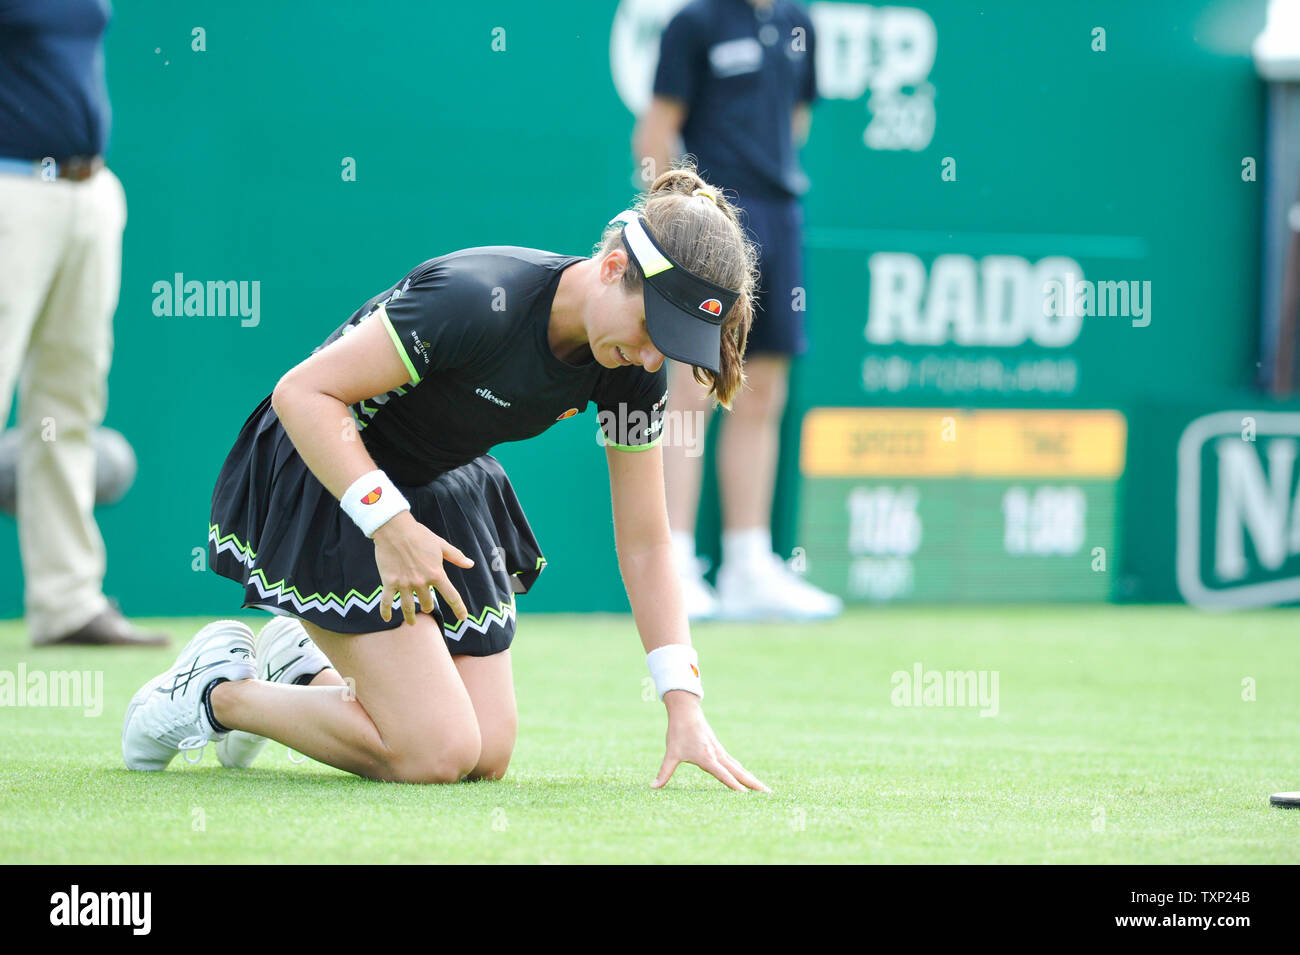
(279, 533)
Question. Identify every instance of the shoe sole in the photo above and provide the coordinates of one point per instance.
(187, 655)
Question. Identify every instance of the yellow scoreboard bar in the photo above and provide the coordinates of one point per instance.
(947, 442)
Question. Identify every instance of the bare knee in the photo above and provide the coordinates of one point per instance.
(491, 766)
(447, 761)
(498, 746)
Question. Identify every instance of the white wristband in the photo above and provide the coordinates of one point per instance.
(373, 500)
(675, 666)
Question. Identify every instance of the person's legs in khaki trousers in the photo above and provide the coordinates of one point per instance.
(60, 269)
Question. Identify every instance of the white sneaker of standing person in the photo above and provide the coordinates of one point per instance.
(700, 599)
(284, 654)
(756, 584)
(171, 713)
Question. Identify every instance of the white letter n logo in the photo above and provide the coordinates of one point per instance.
(1250, 502)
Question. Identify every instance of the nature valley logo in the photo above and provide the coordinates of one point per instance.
(1238, 542)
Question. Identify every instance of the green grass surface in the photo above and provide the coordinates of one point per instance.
(1121, 736)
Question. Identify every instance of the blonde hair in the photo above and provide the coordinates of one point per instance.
(701, 231)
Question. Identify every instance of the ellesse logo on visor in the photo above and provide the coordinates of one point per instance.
(373, 496)
(712, 306)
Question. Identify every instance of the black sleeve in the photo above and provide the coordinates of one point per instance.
(630, 405)
(681, 58)
(440, 319)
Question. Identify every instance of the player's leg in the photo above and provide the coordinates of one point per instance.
(683, 476)
(283, 653)
(403, 713)
(491, 686)
(286, 654)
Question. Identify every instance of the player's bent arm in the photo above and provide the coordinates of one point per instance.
(644, 545)
(658, 131)
(312, 400)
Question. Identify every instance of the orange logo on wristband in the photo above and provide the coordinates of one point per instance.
(373, 496)
(695, 669)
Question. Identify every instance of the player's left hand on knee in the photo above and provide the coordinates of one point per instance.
(691, 740)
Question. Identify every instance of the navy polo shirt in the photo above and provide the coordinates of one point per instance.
(53, 91)
(740, 70)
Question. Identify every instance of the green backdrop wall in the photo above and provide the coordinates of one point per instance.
(494, 123)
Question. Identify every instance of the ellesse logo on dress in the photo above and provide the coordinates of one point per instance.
(568, 414)
(712, 306)
(374, 496)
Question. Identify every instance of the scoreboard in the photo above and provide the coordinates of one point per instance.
(934, 504)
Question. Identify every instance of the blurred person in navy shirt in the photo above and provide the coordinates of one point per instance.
(736, 82)
(62, 212)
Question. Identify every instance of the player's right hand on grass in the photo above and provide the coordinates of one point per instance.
(410, 558)
(691, 740)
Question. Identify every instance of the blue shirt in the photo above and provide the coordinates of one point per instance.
(53, 91)
(741, 70)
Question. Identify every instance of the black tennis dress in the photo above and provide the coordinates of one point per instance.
(471, 328)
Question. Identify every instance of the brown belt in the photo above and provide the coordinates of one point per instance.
(74, 168)
(79, 168)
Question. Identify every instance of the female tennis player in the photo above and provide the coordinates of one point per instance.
(364, 480)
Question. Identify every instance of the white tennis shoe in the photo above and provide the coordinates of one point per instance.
(284, 653)
(768, 589)
(167, 715)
